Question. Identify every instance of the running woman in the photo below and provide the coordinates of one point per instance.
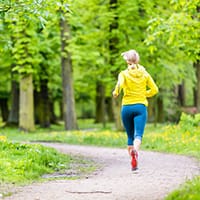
(137, 85)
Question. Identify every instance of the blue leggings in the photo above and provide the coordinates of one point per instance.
(134, 118)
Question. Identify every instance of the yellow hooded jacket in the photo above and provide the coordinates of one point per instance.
(137, 85)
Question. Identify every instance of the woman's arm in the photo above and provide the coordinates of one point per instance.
(152, 87)
(119, 85)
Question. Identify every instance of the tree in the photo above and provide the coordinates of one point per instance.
(90, 55)
(113, 49)
(67, 73)
(13, 118)
(47, 80)
(33, 44)
(5, 68)
(36, 35)
(22, 52)
(178, 30)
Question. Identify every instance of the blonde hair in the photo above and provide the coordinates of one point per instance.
(131, 56)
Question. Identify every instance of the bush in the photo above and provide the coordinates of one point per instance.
(188, 122)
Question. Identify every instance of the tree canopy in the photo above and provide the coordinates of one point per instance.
(165, 33)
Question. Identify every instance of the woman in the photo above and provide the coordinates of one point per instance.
(137, 85)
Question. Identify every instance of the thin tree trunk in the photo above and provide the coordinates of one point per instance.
(13, 118)
(69, 112)
(4, 108)
(42, 106)
(100, 103)
(151, 110)
(26, 113)
(197, 95)
(113, 42)
(117, 114)
(109, 109)
(181, 94)
(36, 106)
(61, 110)
(160, 110)
(53, 118)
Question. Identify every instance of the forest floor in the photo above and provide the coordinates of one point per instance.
(157, 176)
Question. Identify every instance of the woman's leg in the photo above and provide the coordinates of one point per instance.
(134, 119)
(130, 149)
(140, 122)
(127, 119)
(137, 143)
(140, 117)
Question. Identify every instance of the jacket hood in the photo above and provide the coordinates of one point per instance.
(136, 72)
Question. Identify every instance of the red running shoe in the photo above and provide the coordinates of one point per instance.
(134, 159)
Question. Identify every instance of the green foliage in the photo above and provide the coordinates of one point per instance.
(188, 191)
(165, 33)
(23, 162)
(30, 39)
(172, 42)
(5, 82)
(179, 28)
(20, 21)
(188, 122)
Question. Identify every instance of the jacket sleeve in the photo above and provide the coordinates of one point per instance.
(119, 84)
(152, 88)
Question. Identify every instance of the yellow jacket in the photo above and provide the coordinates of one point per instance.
(137, 85)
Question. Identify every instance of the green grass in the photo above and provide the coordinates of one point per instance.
(164, 138)
(188, 191)
(173, 139)
(180, 139)
(23, 162)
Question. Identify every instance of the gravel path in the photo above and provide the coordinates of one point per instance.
(158, 174)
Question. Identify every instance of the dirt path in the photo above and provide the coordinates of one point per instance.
(158, 175)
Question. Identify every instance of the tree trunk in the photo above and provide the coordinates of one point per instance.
(160, 110)
(109, 109)
(100, 103)
(26, 114)
(195, 97)
(151, 110)
(181, 94)
(4, 109)
(53, 118)
(113, 42)
(69, 113)
(36, 107)
(197, 93)
(117, 113)
(61, 110)
(13, 118)
(42, 105)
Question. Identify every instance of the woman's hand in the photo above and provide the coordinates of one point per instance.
(115, 95)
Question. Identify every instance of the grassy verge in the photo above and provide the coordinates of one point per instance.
(163, 138)
(22, 164)
(173, 139)
(188, 191)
